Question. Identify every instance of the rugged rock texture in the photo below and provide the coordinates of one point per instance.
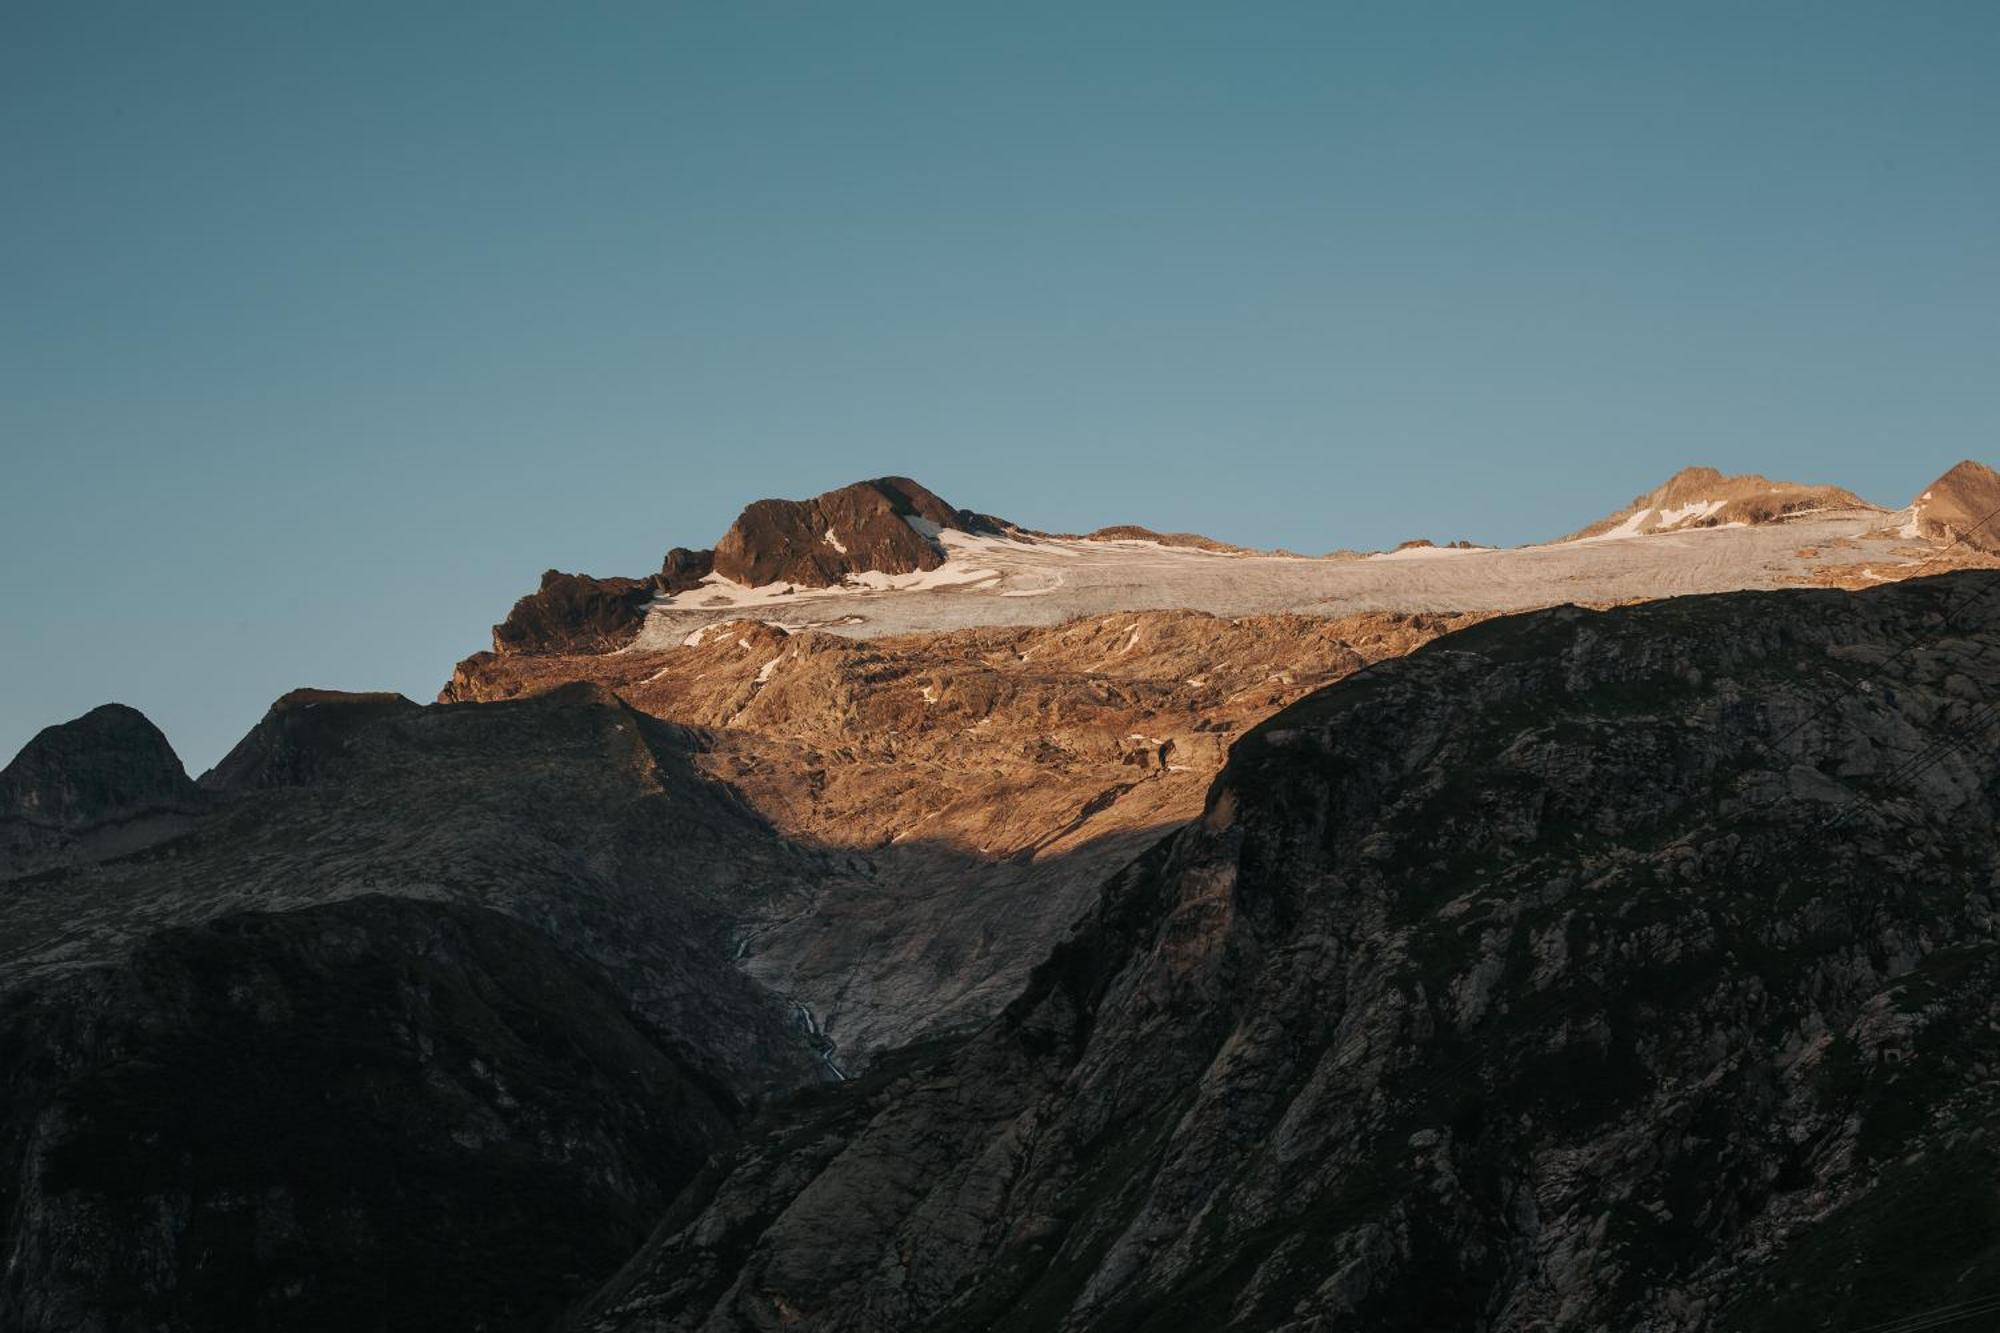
(101, 784)
(1701, 497)
(302, 735)
(575, 613)
(889, 524)
(379, 1114)
(684, 569)
(1959, 507)
(986, 781)
(1628, 970)
(569, 812)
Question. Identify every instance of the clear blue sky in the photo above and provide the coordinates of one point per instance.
(324, 329)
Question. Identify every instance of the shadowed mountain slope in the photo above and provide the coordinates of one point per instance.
(377, 1114)
(1580, 970)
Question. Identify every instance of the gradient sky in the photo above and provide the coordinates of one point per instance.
(325, 329)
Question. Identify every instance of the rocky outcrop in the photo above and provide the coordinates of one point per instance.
(684, 569)
(378, 1114)
(1581, 970)
(575, 613)
(1702, 497)
(888, 525)
(300, 737)
(1962, 508)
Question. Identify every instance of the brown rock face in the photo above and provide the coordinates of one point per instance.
(109, 764)
(1962, 506)
(683, 569)
(888, 524)
(575, 613)
(987, 780)
(1702, 497)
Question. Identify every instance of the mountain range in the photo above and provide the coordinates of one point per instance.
(897, 917)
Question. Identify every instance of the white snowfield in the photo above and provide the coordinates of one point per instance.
(1004, 581)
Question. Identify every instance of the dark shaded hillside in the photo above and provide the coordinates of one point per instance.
(100, 784)
(376, 1114)
(1579, 971)
(568, 812)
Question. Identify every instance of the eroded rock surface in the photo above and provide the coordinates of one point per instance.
(889, 525)
(985, 782)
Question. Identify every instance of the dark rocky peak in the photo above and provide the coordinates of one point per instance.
(581, 613)
(683, 569)
(575, 613)
(301, 735)
(889, 524)
(110, 764)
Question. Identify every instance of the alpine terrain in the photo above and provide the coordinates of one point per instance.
(895, 917)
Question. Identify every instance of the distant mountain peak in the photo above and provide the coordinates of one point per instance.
(1705, 497)
(1961, 506)
(887, 524)
(112, 763)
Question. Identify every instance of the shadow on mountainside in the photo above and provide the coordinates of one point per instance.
(1629, 970)
(428, 1012)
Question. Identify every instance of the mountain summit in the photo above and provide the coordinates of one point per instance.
(889, 524)
(1961, 506)
(1703, 497)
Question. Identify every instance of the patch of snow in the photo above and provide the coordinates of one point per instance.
(693, 640)
(1683, 515)
(834, 542)
(923, 526)
(1633, 526)
(764, 672)
(930, 695)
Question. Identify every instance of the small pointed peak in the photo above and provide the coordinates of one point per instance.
(111, 763)
(1967, 471)
(1960, 507)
